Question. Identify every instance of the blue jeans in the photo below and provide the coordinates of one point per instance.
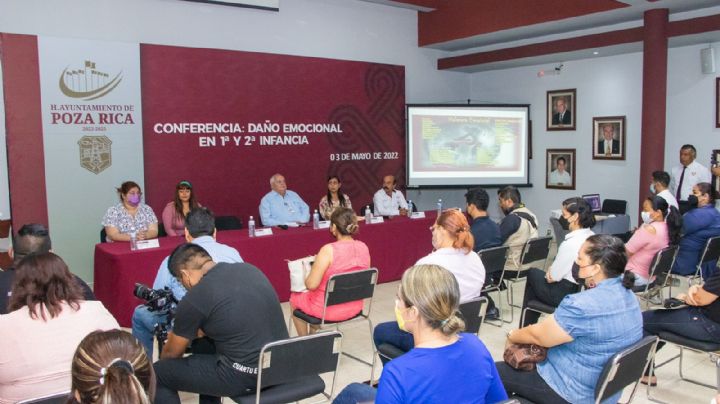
(355, 393)
(390, 333)
(143, 326)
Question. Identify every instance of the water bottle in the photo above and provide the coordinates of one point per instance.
(251, 227)
(410, 207)
(439, 207)
(368, 214)
(133, 240)
(316, 220)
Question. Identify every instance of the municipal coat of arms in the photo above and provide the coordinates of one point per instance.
(95, 153)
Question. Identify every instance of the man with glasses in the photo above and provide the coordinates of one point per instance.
(281, 206)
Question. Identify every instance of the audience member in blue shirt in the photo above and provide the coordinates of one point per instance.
(281, 206)
(586, 330)
(698, 226)
(200, 230)
(445, 366)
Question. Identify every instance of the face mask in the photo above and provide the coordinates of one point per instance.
(646, 217)
(575, 271)
(134, 199)
(693, 201)
(399, 319)
(564, 223)
(652, 188)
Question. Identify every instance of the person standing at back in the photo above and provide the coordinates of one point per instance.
(685, 176)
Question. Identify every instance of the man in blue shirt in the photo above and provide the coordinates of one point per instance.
(281, 206)
(200, 230)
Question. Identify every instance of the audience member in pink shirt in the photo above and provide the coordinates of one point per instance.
(173, 216)
(661, 227)
(47, 319)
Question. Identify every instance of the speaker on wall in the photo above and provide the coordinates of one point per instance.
(707, 60)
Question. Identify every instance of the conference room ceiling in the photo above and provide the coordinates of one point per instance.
(482, 27)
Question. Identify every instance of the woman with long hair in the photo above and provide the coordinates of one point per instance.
(174, 214)
(47, 319)
(334, 199)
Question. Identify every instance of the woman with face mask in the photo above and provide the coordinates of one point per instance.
(130, 216)
(343, 255)
(453, 250)
(552, 286)
(445, 365)
(661, 227)
(699, 224)
(586, 330)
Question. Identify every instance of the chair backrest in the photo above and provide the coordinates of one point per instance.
(711, 252)
(536, 249)
(293, 359)
(103, 235)
(662, 263)
(558, 231)
(624, 368)
(227, 223)
(351, 286)
(58, 398)
(161, 230)
(494, 258)
(473, 313)
(614, 206)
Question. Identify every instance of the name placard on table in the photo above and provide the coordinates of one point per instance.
(145, 244)
(324, 224)
(265, 231)
(377, 219)
(417, 215)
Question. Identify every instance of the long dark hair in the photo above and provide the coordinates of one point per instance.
(44, 280)
(178, 203)
(586, 218)
(609, 253)
(671, 215)
(341, 196)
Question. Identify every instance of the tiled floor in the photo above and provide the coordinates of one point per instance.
(356, 340)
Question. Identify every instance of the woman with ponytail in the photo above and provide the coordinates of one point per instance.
(111, 367)
(445, 365)
(586, 330)
(344, 255)
(661, 227)
(453, 250)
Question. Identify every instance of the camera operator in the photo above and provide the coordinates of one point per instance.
(233, 305)
(200, 230)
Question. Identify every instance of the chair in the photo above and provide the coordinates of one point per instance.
(227, 223)
(624, 368)
(710, 253)
(493, 260)
(713, 349)
(57, 398)
(659, 269)
(103, 235)
(343, 288)
(5, 228)
(161, 230)
(535, 249)
(614, 207)
(289, 370)
(558, 231)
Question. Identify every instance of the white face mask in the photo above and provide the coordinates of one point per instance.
(646, 217)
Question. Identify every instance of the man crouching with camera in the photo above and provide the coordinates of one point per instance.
(152, 317)
(233, 305)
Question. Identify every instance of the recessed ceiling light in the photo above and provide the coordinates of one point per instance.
(596, 53)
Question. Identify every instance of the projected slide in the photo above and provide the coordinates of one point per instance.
(467, 145)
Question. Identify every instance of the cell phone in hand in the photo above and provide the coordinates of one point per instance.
(673, 303)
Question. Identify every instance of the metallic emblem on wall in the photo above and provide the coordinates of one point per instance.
(95, 153)
(87, 83)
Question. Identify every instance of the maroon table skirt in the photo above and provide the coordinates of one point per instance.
(394, 246)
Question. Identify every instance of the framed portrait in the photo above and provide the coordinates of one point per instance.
(560, 169)
(717, 102)
(561, 111)
(608, 140)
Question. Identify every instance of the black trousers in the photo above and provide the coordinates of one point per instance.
(527, 385)
(537, 288)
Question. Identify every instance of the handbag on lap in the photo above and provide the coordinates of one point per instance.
(299, 270)
(524, 356)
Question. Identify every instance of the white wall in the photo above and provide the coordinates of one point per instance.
(346, 30)
(4, 193)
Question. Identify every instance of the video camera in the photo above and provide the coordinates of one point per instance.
(158, 300)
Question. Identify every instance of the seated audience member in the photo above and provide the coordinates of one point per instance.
(552, 287)
(130, 215)
(445, 365)
(453, 243)
(487, 235)
(47, 319)
(699, 224)
(334, 199)
(32, 238)
(699, 321)
(199, 230)
(216, 306)
(517, 227)
(662, 224)
(388, 201)
(584, 332)
(659, 187)
(343, 255)
(111, 367)
(173, 216)
(282, 206)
